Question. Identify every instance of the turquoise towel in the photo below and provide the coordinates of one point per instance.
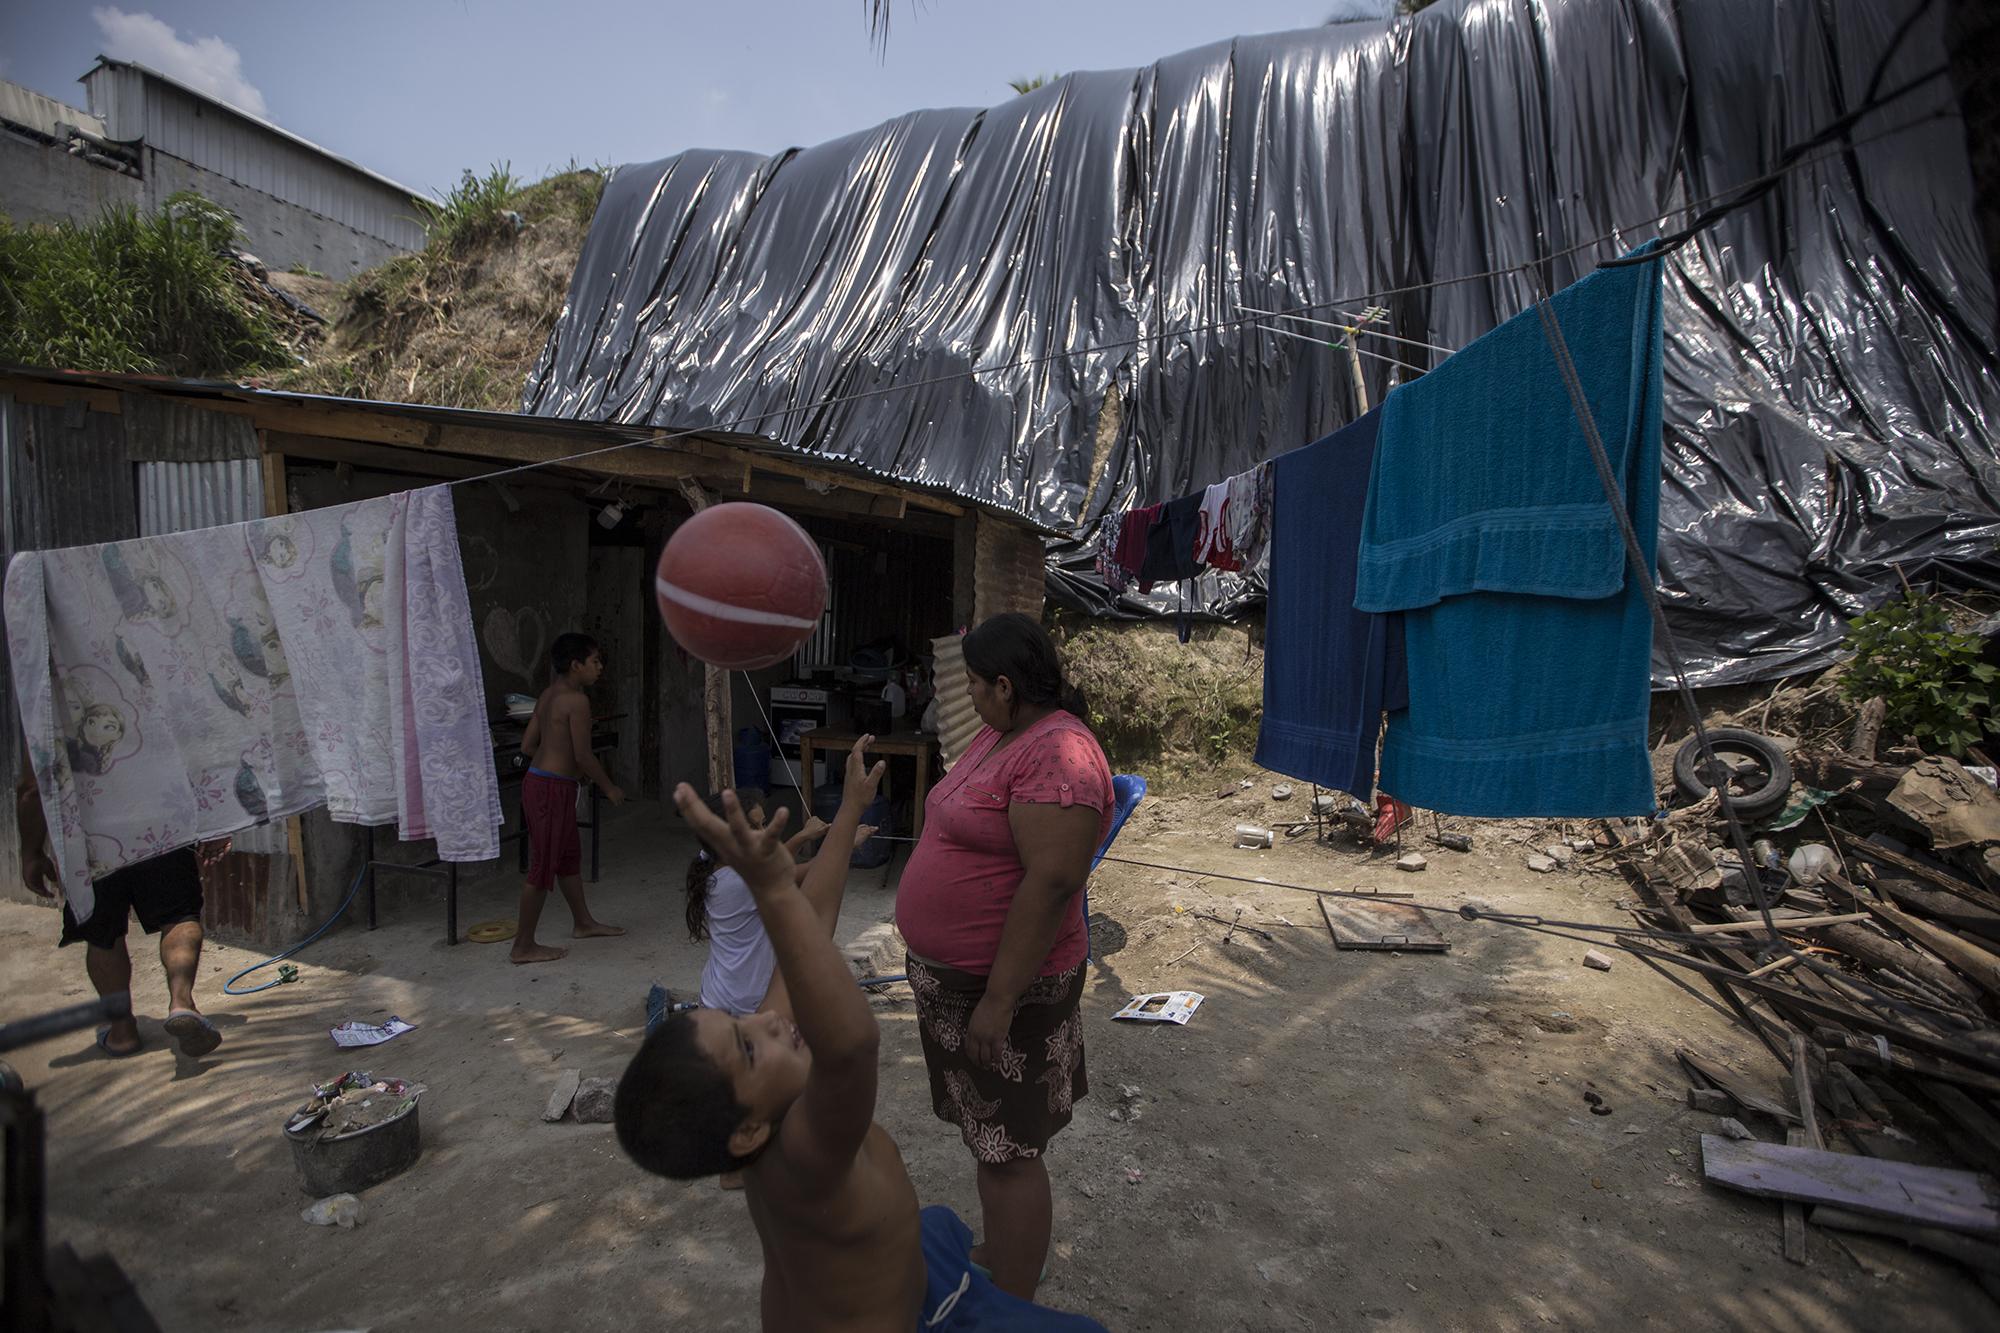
(1528, 648)
(1484, 482)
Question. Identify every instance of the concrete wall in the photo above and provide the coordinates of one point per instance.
(614, 614)
(279, 233)
(41, 183)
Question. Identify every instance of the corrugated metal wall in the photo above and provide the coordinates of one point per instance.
(134, 106)
(957, 722)
(177, 497)
(64, 481)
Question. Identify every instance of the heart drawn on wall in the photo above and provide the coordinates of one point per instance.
(515, 640)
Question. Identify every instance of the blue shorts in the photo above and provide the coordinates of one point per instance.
(960, 1299)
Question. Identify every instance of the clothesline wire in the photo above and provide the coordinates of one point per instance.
(1321, 342)
(1349, 329)
(1360, 298)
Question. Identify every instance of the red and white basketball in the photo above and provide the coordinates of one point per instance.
(741, 586)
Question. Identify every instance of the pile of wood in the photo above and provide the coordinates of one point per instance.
(1878, 993)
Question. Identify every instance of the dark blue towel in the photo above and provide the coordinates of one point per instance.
(1529, 643)
(1329, 670)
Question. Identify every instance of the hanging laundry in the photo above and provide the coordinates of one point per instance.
(1211, 543)
(1529, 641)
(1130, 551)
(1170, 543)
(1116, 577)
(1249, 514)
(180, 688)
(1330, 671)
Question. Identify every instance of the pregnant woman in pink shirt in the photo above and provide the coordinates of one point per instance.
(991, 908)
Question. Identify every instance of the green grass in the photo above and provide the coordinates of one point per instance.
(148, 293)
(470, 212)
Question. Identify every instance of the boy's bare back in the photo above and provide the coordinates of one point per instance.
(846, 1258)
(550, 731)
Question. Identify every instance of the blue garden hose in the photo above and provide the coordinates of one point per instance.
(291, 973)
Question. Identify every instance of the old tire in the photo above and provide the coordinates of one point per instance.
(1759, 775)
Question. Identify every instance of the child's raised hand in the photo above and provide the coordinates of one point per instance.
(755, 851)
(862, 782)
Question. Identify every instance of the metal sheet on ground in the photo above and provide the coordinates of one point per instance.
(1958, 1200)
(1370, 925)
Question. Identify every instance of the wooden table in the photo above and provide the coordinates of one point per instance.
(915, 744)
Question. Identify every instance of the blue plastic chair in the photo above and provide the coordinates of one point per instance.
(1127, 789)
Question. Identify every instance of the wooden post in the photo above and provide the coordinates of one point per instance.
(1868, 728)
(277, 501)
(715, 708)
(1354, 361)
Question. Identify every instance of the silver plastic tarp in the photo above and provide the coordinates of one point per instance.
(1831, 410)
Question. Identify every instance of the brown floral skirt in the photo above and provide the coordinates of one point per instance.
(1013, 1111)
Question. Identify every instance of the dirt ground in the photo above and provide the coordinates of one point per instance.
(1337, 1140)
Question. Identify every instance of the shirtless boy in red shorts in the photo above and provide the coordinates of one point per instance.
(557, 745)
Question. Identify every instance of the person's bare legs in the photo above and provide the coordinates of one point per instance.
(180, 957)
(587, 927)
(526, 950)
(110, 972)
(1017, 1215)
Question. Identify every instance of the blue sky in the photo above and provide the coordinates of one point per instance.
(417, 89)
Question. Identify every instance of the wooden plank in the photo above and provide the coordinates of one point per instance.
(565, 1093)
(1378, 925)
(1976, 1255)
(1749, 1100)
(1795, 1212)
(1934, 1196)
(1970, 959)
(1802, 1090)
(1931, 874)
(1783, 923)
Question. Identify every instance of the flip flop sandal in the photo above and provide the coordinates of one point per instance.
(491, 932)
(196, 1035)
(104, 1044)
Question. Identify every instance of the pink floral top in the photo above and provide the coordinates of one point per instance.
(959, 884)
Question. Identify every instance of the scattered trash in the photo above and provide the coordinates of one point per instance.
(1540, 864)
(1128, 1108)
(491, 932)
(1753, 768)
(1594, 959)
(1324, 805)
(368, 1034)
(1811, 863)
(1176, 1006)
(1282, 792)
(351, 1103)
(1583, 844)
(1249, 835)
(1808, 800)
(1560, 853)
(1989, 776)
(338, 1210)
(1411, 861)
(566, 1085)
(1134, 1175)
(1733, 1128)
(1457, 842)
(594, 1098)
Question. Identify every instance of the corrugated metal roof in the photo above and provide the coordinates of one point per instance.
(583, 434)
(106, 62)
(35, 111)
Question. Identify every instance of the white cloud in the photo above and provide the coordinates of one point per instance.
(207, 64)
